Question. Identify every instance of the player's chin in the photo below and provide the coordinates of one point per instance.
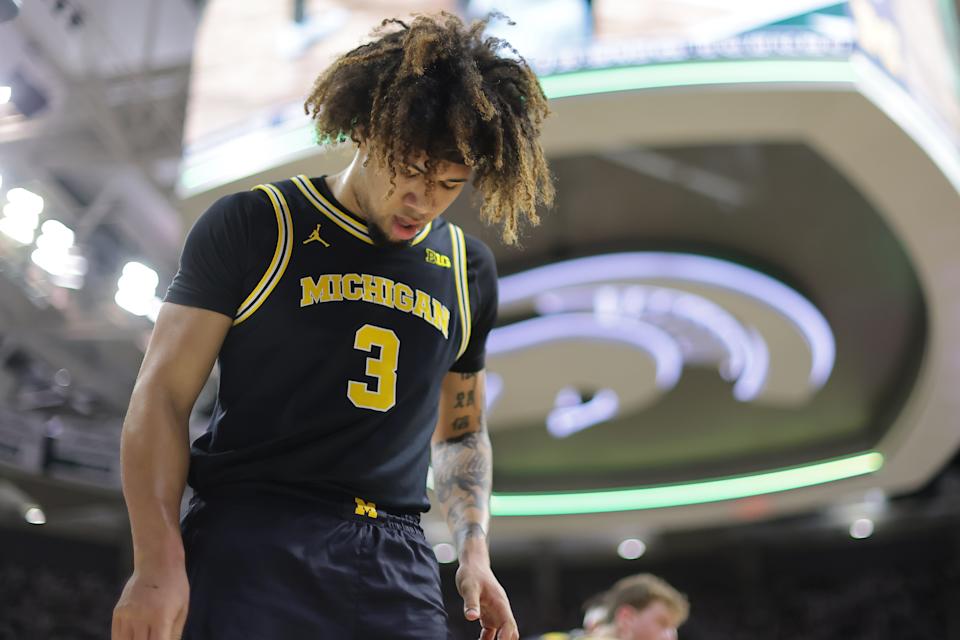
(388, 239)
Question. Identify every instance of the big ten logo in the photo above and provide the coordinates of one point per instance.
(878, 35)
(437, 258)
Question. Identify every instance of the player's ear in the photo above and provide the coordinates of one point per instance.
(359, 135)
(624, 615)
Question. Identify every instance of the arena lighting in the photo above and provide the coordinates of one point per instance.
(12, 497)
(861, 528)
(631, 549)
(642, 301)
(572, 414)
(689, 493)
(21, 215)
(4, 95)
(688, 268)
(571, 326)
(445, 552)
(54, 255)
(749, 385)
(35, 515)
(25, 200)
(682, 74)
(136, 290)
(748, 360)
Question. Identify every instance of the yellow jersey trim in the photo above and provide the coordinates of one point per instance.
(343, 220)
(459, 252)
(420, 237)
(281, 256)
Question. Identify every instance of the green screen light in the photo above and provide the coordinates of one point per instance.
(685, 74)
(675, 495)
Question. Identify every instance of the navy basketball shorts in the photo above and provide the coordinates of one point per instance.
(275, 567)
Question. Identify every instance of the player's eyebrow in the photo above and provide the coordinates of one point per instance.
(424, 171)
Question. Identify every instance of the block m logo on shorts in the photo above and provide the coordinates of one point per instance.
(365, 508)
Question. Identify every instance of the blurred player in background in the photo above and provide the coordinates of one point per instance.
(639, 607)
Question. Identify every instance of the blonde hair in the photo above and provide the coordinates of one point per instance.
(641, 590)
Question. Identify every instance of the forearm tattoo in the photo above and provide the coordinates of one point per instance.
(462, 469)
(461, 480)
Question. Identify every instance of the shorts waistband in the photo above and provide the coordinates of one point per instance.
(356, 508)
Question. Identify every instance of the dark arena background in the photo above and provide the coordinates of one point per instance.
(729, 356)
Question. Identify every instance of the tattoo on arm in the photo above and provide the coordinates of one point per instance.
(462, 475)
(465, 399)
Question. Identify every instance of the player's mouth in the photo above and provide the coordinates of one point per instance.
(404, 228)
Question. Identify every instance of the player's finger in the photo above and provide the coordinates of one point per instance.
(163, 631)
(178, 624)
(509, 631)
(130, 631)
(488, 634)
(471, 601)
(135, 630)
(116, 628)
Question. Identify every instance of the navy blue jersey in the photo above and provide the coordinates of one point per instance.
(330, 376)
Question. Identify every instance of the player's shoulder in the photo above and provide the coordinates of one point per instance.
(240, 203)
(479, 253)
(249, 208)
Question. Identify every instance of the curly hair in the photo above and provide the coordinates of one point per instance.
(437, 85)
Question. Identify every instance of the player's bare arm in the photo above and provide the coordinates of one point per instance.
(155, 457)
(462, 474)
(462, 458)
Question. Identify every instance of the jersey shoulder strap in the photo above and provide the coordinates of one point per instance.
(281, 255)
(459, 254)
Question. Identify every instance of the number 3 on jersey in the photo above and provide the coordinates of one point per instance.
(383, 368)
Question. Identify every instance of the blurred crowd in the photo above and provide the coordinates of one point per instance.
(47, 604)
(877, 604)
(909, 601)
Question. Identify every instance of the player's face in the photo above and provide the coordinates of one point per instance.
(396, 219)
(654, 622)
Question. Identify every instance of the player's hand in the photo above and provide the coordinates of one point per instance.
(153, 606)
(485, 600)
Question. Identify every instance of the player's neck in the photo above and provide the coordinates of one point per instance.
(344, 184)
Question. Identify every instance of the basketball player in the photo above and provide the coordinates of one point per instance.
(349, 321)
(639, 607)
(643, 607)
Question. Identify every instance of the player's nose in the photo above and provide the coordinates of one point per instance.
(417, 203)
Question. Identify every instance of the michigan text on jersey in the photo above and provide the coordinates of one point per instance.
(336, 287)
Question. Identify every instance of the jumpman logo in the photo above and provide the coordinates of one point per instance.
(315, 237)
